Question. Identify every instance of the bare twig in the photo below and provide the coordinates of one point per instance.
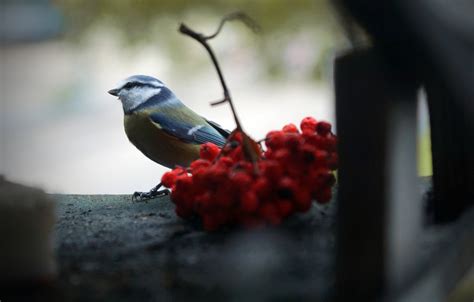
(218, 102)
(184, 29)
(236, 16)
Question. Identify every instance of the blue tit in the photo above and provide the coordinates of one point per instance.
(160, 125)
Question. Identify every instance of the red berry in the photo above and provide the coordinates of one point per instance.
(202, 203)
(225, 162)
(244, 166)
(178, 170)
(199, 164)
(315, 140)
(324, 195)
(282, 155)
(285, 207)
(308, 124)
(271, 169)
(274, 139)
(287, 183)
(249, 202)
(215, 174)
(242, 180)
(333, 161)
(307, 152)
(302, 200)
(236, 154)
(286, 187)
(184, 205)
(293, 141)
(201, 178)
(330, 143)
(290, 128)
(177, 196)
(225, 196)
(268, 154)
(168, 179)
(209, 151)
(303, 205)
(262, 187)
(236, 136)
(318, 177)
(323, 128)
(321, 158)
(183, 181)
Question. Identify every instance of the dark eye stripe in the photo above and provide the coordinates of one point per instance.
(138, 84)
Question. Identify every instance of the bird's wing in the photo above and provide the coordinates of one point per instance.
(195, 133)
(224, 132)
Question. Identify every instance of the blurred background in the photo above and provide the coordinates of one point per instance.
(60, 130)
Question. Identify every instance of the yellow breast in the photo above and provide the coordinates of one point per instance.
(156, 144)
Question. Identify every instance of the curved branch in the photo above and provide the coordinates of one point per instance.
(240, 16)
(184, 29)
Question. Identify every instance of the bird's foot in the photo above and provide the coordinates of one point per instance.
(144, 196)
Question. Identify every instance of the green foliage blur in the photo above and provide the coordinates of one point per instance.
(150, 22)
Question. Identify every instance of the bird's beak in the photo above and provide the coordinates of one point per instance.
(114, 92)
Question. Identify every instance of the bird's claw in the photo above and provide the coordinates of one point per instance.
(144, 196)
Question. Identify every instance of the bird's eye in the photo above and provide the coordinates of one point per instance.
(129, 85)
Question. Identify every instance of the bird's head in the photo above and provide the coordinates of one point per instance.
(135, 90)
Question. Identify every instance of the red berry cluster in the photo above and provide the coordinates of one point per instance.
(223, 188)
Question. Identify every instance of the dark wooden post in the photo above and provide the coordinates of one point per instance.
(452, 140)
(435, 42)
(376, 126)
(361, 127)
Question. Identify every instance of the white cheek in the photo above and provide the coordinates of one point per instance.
(148, 93)
(136, 96)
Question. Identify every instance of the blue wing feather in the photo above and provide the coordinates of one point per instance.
(224, 132)
(188, 132)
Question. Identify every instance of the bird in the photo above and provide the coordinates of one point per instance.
(162, 127)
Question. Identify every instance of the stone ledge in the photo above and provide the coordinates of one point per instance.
(111, 249)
